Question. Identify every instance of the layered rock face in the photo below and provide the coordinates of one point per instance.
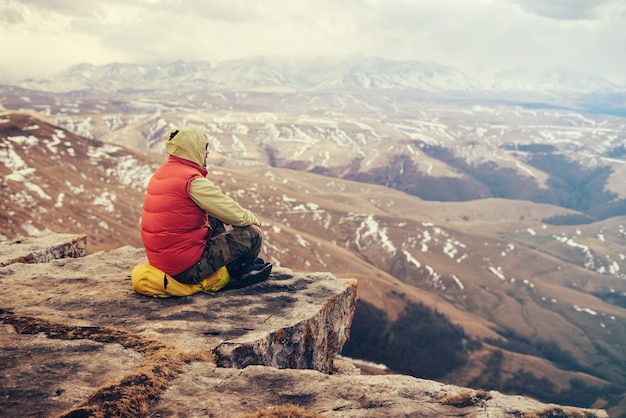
(77, 341)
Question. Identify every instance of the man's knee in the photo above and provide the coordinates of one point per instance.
(255, 231)
(256, 237)
(244, 240)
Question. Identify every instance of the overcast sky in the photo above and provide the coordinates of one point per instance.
(40, 37)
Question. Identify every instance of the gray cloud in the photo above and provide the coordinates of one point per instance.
(564, 9)
(83, 8)
(9, 15)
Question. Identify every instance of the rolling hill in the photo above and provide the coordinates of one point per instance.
(540, 307)
(486, 227)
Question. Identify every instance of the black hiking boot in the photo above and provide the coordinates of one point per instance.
(250, 274)
(260, 273)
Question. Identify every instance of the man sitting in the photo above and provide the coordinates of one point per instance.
(184, 217)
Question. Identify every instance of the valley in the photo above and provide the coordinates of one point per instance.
(503, 225)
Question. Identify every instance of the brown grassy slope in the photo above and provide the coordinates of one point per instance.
(57, 180)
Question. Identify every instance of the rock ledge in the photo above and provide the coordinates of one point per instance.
(77, 341)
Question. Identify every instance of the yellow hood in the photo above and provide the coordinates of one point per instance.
(187, 143)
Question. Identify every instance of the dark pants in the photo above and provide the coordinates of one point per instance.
(233, 249)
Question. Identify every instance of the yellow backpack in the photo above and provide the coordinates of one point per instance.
(150, 281)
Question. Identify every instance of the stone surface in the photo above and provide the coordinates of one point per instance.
(228, 392)
(294, 320)
(77, 341)
(45, 376)
(42, 248)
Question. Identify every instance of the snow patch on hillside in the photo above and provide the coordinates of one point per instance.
(370, 228)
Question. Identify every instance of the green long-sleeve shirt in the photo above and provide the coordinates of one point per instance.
(210, 197)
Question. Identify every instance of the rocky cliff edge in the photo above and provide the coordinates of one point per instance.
(77, 341)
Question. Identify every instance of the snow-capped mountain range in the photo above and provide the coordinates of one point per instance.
(320, 74)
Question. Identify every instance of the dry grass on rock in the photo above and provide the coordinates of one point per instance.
(130, 395)
(286, 411)
(466, 398)
(558, 412)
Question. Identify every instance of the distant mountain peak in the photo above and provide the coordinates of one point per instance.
(551, 80)
(355, 72)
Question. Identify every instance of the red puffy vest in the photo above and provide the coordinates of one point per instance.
(174, 229)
